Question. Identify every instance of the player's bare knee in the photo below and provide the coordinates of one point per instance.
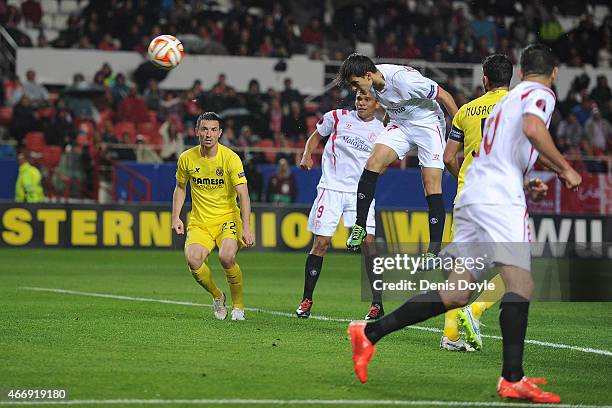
(432, 185)
(375, 164)
(194, 261)
(320, 245)
(227, 260)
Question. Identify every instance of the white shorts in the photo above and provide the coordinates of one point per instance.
(330, 205)
(428, 137)
(499, 233)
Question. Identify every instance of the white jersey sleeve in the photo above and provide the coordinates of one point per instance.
(411, 84)
(539, 102)
(325, 125)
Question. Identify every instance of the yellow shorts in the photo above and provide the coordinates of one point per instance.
(211, 235)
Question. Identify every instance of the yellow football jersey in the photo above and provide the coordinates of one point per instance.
(213, 182)
(467, 127)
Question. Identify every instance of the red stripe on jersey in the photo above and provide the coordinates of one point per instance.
(440, 134)
(334, 135)
(344, 112)
(523, 96)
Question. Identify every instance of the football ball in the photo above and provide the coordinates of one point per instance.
(166, 52)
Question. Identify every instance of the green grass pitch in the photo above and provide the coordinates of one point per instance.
(107, 348)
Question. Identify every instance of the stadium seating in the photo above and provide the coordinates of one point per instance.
(267, 143)
(6, 114)
(147, 128)
(51, 156)
(122, 127)
(46, 113)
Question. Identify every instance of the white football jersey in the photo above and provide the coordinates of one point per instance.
(408, 96)
(505, 156)
(350, 143)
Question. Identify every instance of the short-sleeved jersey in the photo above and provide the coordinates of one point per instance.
(408, 96)
(213, 183)
(350, 143)
(505, 156)
(467, 128)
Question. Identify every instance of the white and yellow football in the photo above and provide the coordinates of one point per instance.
(166, 52)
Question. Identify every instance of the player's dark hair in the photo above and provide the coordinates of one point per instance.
(208, 116)
(355, 65)
(498, 68)
(538, 59)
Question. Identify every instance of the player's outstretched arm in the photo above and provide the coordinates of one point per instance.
(245, 212)
(450, 156)
(311, 145)
(537, 133)
(178, 199)
(447, 100)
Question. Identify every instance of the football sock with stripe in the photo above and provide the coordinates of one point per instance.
(415, 310)
(312, 270)
(203, 276)
(489, 297)
(437, 217)
(365, 194)
(451, 327)
(234, 280)
(514, 310)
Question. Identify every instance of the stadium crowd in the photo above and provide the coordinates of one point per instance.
(447, 32)
(104, 117)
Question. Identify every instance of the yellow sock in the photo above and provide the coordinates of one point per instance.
(234, 279)
(451, 328)
(488, 297)
(203, 276)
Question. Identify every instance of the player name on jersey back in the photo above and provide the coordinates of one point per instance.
(505, 156)
(349, 145)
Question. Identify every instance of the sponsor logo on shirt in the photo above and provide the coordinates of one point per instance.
(208, 183)
(357, 143)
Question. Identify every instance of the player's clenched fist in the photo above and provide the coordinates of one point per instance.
(306, 162)
(570, 178)
(177, 226)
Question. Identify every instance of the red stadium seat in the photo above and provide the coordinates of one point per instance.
(6, 115)
(51, 156)
(105, 115)
(147, 128)
(35, 141)
(83, 139)
(123, 127)
(46, 113)
(153, 116)
(88, 127)
(267, 143)
(311, 124)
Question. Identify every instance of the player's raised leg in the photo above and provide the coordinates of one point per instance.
(197, 259)
(382, 156)
(227, 259)
(312, 270)
(513, 316)
(415, 310)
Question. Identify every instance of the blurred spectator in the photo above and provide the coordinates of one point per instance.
(289, 94)
(24, 120)
(255, 180)
(275, 116)
(598, 130)
(172, 141)
(294, 124)
(32, 12)
(570, 130)
(37, 93)
(144, 152)
(482, 26)
(28, 188)
(281, 186)
(70, 175)
(550, 29)
(410, 49)
(41, 41)
(601, 93)
(107, 43)
(120, 90)
(584, 109)
(132, 108)
(61, 130)
(152, 95)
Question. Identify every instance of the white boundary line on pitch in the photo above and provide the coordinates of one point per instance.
(293, 402)
(275, 313)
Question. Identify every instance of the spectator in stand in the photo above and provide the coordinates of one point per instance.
(410, 49)
(281, 186)
(584, 109)
(601, 93)
(171, 106)
(24, 120)
(70, 175)
(599, 131)
(108, 43)
(589, 156)
(41, 41)
(108, 135)
(570, 131)
(294, 124)
(313, 34)
(120, 89)
(254, 102)
(28, 188)
(106, 71)
(289, 94)
(275, 115)
(32, 12)
(132, 108)
(550, 30)
(172, 141)
(38, 94)
(255, 180)
(389, 48)
(152, 95)
(61, 130)
(482, 26)
(145, 153)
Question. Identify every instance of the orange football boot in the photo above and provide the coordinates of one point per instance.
(526, 389)
(363, 349)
